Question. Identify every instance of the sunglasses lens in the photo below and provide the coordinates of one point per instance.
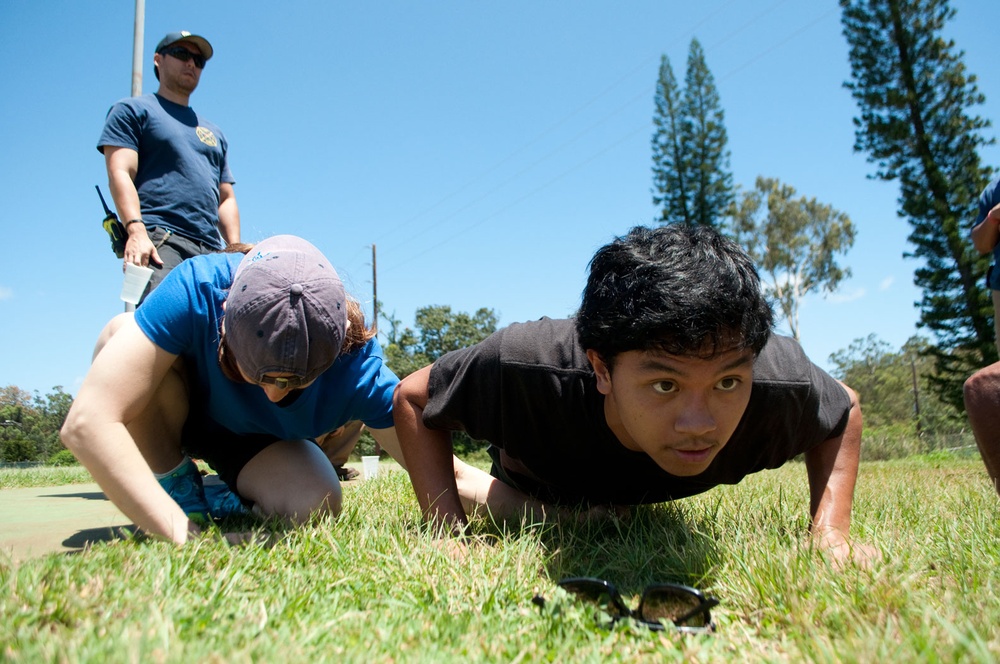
(597, 593)
(673, 605)
(184, 55)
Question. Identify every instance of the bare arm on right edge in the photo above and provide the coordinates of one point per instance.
(986, 233)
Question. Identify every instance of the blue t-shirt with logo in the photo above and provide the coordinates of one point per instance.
(182, 162)
(183, 315)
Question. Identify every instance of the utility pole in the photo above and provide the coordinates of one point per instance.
(378, 448)
(140, 19)
(374, 291)
(137, 32)
(916, 394)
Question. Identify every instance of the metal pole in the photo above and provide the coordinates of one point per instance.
(140, 19)
(137, 32)
(378, 448)
(374, 291)
(916, 394)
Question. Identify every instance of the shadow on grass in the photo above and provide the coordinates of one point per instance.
(653, 544)
(659, 543)
(89, 495)
(83, 538)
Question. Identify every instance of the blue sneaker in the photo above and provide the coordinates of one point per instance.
(222, 501)
(185, 486)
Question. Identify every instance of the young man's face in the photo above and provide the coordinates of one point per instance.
(679, 410)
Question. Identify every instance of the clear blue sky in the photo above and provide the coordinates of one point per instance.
(487, 149)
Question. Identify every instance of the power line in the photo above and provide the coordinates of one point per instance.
(641, 95)
(550, 129)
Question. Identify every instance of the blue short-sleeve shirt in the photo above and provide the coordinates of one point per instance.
(183, 316)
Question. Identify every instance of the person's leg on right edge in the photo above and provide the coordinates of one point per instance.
(996, 317)
(982, 403)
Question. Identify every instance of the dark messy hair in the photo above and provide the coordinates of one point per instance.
(684, 290)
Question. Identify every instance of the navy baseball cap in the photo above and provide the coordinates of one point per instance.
(184, 35)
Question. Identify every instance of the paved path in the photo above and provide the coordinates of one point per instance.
(64, 519)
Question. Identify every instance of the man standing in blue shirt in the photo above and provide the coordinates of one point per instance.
(982, 389)
(986, 239)
(168, 167)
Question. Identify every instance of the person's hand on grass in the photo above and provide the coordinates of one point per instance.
(598, 513)
(456, 548)
(246, 538)
(843, 552)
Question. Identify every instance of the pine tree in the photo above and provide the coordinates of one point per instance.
(915, 100)
(691, 178)
(705, 122)
(670, 164)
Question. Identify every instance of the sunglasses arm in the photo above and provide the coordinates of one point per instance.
(705, 605)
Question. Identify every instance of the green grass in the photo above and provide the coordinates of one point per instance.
(372, 586)
(20, 478)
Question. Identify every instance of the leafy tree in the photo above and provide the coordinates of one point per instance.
(915, 99)
(29, 424)
(881, 379)
(442, 331)
(402, 352)
(439, 331)
(794, 242)
(691, 178)
(712, 181)
(893, 385)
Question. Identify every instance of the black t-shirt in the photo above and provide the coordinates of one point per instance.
(531, 393)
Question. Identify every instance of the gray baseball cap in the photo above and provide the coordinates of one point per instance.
(286, 311)
(184, 35)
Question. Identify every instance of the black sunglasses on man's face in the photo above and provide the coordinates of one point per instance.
(184, 55)
(661, 603)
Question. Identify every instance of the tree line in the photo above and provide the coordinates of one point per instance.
(893, 384)
(30, 423)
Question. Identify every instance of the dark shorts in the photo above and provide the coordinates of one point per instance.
(226, 452)
(172, 249)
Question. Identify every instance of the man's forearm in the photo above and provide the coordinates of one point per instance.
(125, 196)
(229, 216)
(832, 467)
(429, 460)
(986, 233)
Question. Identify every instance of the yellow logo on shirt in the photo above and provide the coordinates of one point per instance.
(207, 137)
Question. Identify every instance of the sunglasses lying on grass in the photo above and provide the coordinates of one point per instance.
(661, 605)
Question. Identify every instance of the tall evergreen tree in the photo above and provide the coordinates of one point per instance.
(670, 151)
(691, 178)
(709, 157)
(915, 99)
